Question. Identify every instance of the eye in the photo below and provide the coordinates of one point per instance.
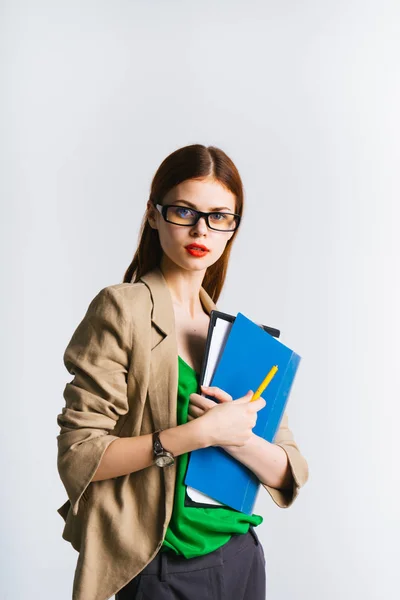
(183, 212)
(222, 215)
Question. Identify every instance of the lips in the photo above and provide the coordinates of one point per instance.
(197, 250)
(197, 247)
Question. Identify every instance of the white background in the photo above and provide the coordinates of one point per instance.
(304, 96)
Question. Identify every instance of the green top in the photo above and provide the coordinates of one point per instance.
(196, 530)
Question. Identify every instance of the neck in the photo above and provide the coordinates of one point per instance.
(184, 286)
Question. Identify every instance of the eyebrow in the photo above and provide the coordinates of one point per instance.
(211, 209)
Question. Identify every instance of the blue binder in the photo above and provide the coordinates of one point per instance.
(249, 354)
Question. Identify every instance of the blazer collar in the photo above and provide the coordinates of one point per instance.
(163, 313)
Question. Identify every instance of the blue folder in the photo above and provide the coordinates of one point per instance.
(249, 354)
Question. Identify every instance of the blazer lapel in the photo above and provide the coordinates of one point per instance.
(163, 384)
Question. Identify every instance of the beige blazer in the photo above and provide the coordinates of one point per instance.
(124, 359)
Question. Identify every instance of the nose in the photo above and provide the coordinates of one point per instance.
(200, 226)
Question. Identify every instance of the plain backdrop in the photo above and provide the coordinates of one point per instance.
(304, 96)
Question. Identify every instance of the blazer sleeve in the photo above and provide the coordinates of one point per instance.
(298, 465)
(98, 356)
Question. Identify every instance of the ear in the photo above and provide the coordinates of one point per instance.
(151, 216)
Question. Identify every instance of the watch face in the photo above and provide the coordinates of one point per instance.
(164, 461)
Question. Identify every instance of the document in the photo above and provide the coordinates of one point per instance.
(239, 355)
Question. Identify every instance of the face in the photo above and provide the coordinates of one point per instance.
(206, 195)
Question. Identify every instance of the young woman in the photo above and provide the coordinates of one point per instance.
(134, 410)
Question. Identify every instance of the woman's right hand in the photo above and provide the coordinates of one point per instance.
(230, 423)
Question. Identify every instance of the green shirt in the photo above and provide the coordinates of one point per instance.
(196, 530)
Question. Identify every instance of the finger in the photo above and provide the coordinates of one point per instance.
(246, 398)
(195, 411)
(258, 404)
(190, 418)
(216, 392)
(200, 401)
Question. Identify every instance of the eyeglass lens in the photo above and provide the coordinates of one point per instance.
(180, 215)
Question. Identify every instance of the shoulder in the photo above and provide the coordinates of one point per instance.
(126, 292)
(125, 298)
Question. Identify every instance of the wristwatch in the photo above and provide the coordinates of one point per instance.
(162, 458)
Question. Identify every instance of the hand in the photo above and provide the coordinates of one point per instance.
(228, 423)
(199, 405)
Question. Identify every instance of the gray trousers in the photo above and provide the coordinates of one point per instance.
(236, 571)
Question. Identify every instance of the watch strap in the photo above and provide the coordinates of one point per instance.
(158, 448)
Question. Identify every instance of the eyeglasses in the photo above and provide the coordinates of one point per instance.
(182, 215)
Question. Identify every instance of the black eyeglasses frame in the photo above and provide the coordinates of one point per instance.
(163, 210)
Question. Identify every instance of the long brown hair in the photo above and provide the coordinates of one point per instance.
(190, 162)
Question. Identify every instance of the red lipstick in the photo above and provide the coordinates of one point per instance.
(197, 249)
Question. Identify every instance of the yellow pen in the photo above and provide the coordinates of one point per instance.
(264, 384)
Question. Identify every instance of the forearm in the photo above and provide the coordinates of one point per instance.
(129, 454)
(268, 462)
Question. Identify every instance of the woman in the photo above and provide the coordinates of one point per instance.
(133, 410)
